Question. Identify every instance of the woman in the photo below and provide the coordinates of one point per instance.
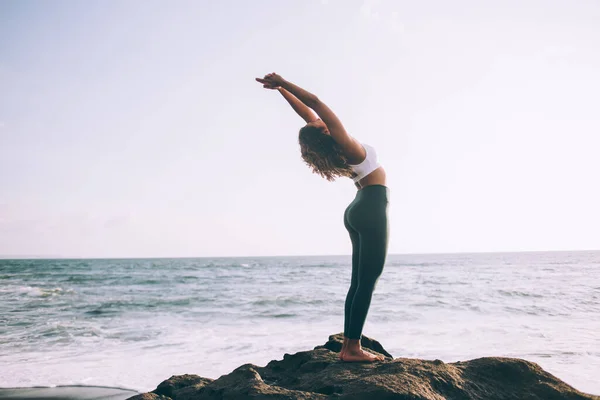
(331, 152)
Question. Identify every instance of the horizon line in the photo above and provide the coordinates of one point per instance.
(48, 257)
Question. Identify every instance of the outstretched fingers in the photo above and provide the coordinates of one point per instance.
(267, 84)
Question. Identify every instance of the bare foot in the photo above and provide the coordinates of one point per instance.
(342, 353)
(344, 349)
(360, 356)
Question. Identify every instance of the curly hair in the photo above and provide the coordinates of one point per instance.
(322, 154)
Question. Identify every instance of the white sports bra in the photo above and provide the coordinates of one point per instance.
(368, 165)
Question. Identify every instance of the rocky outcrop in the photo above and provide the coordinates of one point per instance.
(319, 374)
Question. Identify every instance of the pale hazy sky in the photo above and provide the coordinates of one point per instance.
(136, 129)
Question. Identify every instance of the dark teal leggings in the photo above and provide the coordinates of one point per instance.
(366, 220)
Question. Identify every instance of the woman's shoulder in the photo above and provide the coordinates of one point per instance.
(356, 153)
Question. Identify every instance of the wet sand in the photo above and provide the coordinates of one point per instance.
(67, 393)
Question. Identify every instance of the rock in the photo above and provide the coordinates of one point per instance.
(149, 396)
(177, 386)
(318, 374)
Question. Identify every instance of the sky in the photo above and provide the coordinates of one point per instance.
(136, 129)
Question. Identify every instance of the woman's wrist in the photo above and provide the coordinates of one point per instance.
(284, 84)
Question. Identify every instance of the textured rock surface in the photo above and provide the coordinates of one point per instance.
(318, 374)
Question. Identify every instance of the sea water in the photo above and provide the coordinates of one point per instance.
(132, 323)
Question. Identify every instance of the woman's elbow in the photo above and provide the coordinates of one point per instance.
(313, 101)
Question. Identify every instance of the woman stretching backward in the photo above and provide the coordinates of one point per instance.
(331, 152)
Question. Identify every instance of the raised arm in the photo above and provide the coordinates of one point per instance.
(350, 146)
(301, 109)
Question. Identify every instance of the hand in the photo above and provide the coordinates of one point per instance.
(271, 81)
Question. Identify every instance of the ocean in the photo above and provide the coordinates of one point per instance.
(132, 323)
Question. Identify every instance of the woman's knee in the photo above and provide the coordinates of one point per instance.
(366, 286)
